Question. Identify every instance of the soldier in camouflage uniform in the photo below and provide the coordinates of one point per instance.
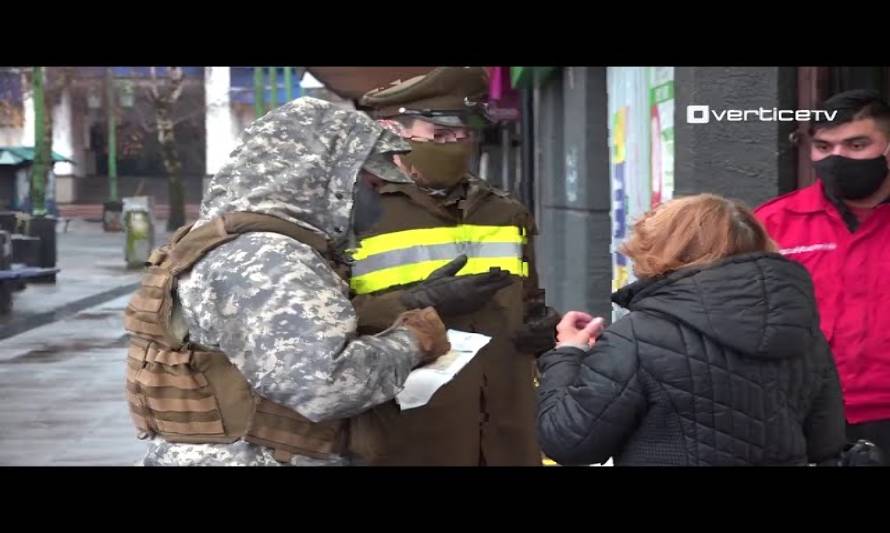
(271, 303)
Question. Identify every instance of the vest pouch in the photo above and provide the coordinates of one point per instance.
(149, 311)
(172, 398)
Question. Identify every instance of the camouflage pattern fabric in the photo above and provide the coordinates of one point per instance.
(273, 304)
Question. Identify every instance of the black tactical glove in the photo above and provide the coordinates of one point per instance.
(453, 295)
(538, 334)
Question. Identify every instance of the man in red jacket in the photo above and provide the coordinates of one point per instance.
(839, 229)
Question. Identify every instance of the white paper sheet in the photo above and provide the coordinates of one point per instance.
(423, 382)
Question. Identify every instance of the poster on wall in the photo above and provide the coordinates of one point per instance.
(641, 142)
(661, 105)
(619, 197)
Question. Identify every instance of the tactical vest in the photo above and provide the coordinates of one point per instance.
(185, 393)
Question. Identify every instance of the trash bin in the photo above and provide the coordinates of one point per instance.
(26, 250)
(44, 228)
(9, 221)
(139, 228)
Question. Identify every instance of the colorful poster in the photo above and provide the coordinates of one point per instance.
(641, 142)
(661, 104)
(619, 196)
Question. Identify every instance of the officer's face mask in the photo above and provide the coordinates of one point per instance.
(438, 165)
(367, 207)
(852, 179)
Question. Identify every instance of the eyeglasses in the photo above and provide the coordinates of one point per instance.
(475, 115)
(446, 134)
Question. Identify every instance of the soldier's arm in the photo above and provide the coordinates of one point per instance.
(284, 318)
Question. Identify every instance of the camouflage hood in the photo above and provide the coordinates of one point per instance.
(299, 162)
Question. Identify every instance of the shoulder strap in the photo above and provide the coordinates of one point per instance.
(188, 246)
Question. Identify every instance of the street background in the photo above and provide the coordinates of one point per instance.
(62, 396)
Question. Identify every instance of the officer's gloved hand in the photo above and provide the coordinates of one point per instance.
(429, 330)
(538, 334)
(453, 295)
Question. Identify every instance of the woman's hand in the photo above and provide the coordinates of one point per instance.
(578, 329)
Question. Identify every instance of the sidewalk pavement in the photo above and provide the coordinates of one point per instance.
(62, 358)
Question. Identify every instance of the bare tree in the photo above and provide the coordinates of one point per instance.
(163, 94)
(161, 116)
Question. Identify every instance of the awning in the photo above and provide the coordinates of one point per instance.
(17, 155)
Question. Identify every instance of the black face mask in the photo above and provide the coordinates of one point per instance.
(852, 179)
(367, 208)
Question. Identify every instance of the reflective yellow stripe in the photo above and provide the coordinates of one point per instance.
(436, 252)
(398, 240)
(404, 274)
(427, 242)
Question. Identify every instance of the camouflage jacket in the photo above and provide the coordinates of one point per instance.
(273, 304)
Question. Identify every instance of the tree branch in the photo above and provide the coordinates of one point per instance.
(153, 88)
(176, 79)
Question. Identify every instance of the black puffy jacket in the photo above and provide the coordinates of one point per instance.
(721, 365)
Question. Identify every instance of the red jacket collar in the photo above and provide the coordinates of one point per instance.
(811, 199)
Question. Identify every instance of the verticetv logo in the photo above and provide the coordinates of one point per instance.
(701, 114)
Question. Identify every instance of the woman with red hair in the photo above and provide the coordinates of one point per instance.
(720, 360)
